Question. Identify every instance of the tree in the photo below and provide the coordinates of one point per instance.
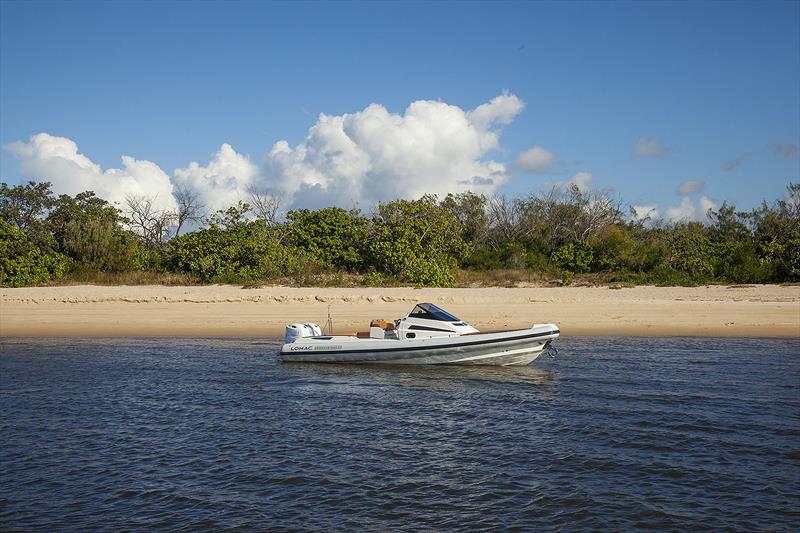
(26, 206)
(504, 220)
(265, 205)
(597, 210)
(231, 218)
(690, 252)
(573, 257)
(190, 207)
(470, 210)
(625, 248)
(571, 214)
(23, 263)
(89, 230)
(419, 241)
(146, 220)
(235, 250)
(331, 235)
(777, 234)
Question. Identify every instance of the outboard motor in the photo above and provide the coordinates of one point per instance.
(298, 331)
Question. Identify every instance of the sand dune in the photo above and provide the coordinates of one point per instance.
(221, 310)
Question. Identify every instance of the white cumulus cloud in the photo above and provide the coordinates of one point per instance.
(501, 109)
(650, 148)
(357, 158)
(536, 159)
(581, 180)
(56, 159)
(375, 155)
(688, 210)
(227, 178)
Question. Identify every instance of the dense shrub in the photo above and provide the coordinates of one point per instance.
(23, 263)
(418, 241)
(562, 233)
(777, 235)
(332, 236)
(690, 251)
(244, 253)
(90, 231)
(573, 256)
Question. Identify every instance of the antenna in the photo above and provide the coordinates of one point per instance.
(329, 323)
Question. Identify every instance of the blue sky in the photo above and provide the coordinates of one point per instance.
(169, 83)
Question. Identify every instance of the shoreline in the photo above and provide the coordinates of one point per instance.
(228, 310)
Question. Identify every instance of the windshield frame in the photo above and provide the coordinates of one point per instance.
(429, 311)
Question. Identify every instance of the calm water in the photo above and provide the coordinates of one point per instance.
(216, 434)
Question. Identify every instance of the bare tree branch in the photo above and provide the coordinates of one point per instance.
(266, 205)
(152, 224)
(190, 207)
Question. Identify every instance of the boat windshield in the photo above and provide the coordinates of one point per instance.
(431, 312)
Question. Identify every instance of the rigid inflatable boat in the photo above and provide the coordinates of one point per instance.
(428, 335)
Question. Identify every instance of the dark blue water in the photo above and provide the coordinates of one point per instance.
(211, 434)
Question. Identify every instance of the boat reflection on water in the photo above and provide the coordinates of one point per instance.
(440, 376)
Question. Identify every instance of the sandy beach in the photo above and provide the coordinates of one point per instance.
(765, 310)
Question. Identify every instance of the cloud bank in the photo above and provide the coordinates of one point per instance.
(374, 155)
(352, 159)
(56, 159)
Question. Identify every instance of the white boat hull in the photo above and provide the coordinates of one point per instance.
(508, 348)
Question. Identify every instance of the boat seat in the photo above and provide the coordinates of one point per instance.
(380, 323)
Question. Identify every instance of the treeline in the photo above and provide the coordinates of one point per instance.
(425, 242)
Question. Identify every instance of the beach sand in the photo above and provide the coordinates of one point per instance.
(225, 310)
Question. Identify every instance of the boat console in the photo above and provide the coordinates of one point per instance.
(427, 320)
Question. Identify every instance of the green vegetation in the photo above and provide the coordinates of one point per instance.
(23, 263)
(416, 241)
(233, 249)
(462, 239)
(332, 236)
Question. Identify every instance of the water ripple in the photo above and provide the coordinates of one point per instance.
(216, 434)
